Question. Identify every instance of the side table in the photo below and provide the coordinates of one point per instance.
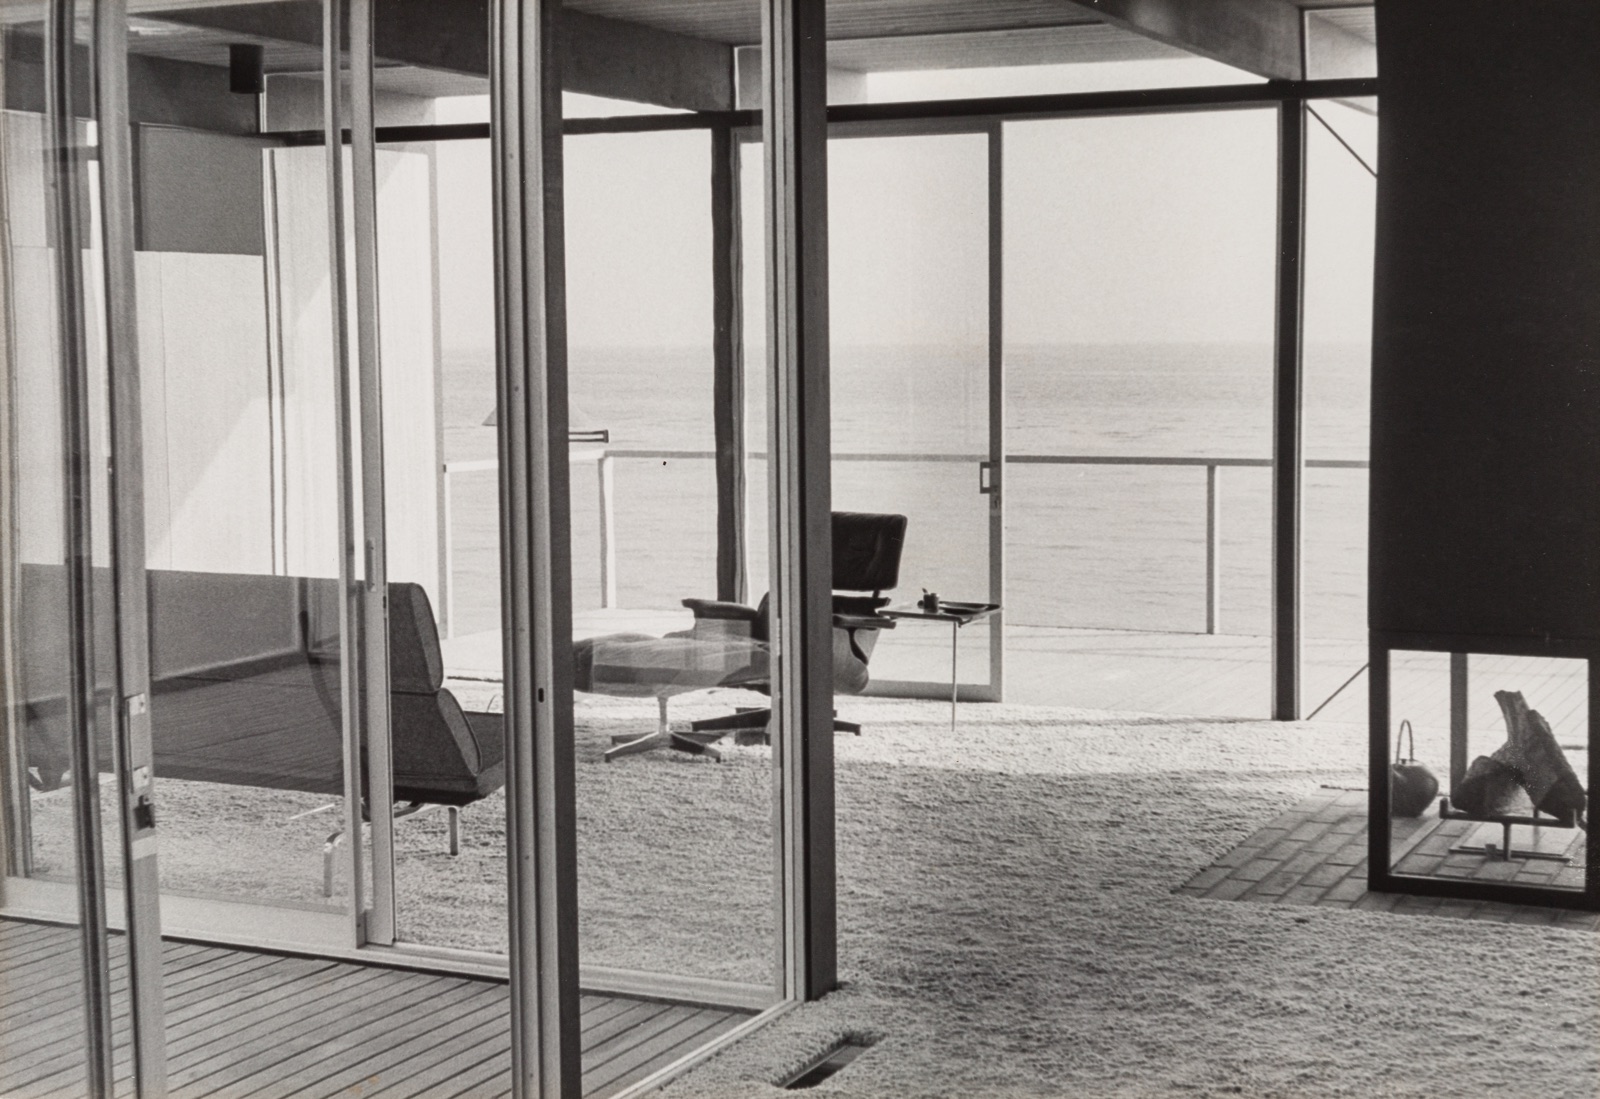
(958, 615)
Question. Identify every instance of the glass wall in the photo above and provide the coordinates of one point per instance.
(674, 807)
(1341, 193)
(1492, 756)
(909, 375)
(1139, 298)
(60, 809)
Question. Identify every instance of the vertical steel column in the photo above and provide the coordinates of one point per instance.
(728, 364)
(1458, 718)
(1213, 549)
(352, 663)
(1379, 754)
(997, 409)
(64, 173)
(131, 734)
(530, 316)
(372, 596)
(1287, 444)
(794, 127)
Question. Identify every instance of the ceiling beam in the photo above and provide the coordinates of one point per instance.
(1258, 36)
(605, 57)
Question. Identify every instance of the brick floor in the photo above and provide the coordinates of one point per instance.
(1316, 853)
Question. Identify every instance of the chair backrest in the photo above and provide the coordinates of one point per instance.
(866, 550)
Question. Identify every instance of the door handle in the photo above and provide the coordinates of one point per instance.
(986, 478)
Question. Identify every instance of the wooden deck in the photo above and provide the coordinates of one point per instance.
(244, 1024)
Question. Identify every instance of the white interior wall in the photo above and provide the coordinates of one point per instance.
(406, 319)
(34, 345)
(207, 415)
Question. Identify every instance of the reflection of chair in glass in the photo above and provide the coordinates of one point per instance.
(635, 665)
(866, 558)
(728, 645)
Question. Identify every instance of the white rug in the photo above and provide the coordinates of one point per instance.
(1007, 928)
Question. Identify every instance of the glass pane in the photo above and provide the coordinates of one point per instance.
(908, 307)
(1140, 254)
(1341, 192)
(52, 281)
(437, 312)
(1341, 43)
(669, 814)
(239, 388)
(1493, 790)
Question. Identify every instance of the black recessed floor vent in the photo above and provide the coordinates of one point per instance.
(826, 1065)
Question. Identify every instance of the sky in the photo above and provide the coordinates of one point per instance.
(1154, 228)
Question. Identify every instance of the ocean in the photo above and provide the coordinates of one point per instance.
(1086, 545)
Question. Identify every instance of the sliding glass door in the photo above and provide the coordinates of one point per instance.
(76, 810)
(915, 378)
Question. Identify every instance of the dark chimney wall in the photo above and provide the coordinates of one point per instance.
(1485, 506)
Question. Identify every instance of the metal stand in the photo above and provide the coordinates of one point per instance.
(1503, 850)
(410, 809)
(695, 742)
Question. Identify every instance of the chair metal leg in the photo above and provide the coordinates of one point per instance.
(328, 849)
(741, 719)
(663, 737)
(636, 745)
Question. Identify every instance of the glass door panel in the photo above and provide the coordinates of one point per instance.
(60, 799)
(1341, 200)
(911, 384)
(241, 395)
(677, 859)
(1139, 260)
(443, 512)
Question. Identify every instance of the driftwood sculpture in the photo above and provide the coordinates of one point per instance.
(1531, 762)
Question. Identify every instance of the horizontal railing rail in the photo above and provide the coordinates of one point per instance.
(605, 475)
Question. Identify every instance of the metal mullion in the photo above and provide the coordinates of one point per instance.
(351, 659)
(1288, 408)
(135, 755)
(795, 132)
(16, 829)
(65, 166)
(541, 840)
(997, 408)
(728, 403)
(374, 593)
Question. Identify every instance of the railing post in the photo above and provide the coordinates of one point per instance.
(447, 602)
(608, 540)
(1213, 549)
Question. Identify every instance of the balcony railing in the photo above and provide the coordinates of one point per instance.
(605, 459)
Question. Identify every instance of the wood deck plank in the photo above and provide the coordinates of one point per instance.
(603, 1052)
(270, 1047)
(260, 1026)
(187, 1041)
(300, 1064)
(679, 1037)
(475, 1059)
(634, 1016)
(419, 1042)
(40, 1043)
(666, 1056)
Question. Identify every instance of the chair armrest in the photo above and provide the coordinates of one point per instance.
(716, 608)
(863, 622)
